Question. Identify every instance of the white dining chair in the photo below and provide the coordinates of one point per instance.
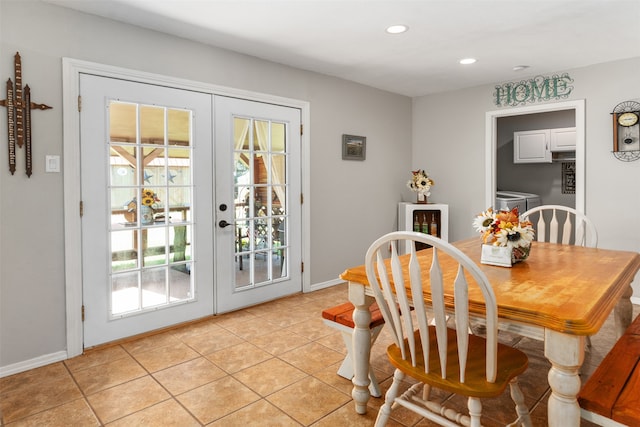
(577, 228)
(424, 348)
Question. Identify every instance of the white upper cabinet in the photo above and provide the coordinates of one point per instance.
(563, 139)
(536, 146)
(531, 146)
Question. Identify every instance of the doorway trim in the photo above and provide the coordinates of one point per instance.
(491, 144)
(71, 70)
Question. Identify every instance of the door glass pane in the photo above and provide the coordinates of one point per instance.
(123, 122)
(278, 139)
(123, 165)
(179, 167)
(154, 244)
(123, 252)
(279, 195)
(278, 171)
(179, 127)
(281, 245)
(125, 293)
(123, 207)
(180, 282)
(259, 165)
(154, 287)
(154, 165)
(261, 272)
(179, 204)
(150, 198)
(152, 125)
(180, 246)
(260, 135)
(241, 138)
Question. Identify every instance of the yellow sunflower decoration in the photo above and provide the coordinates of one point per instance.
(149, 198)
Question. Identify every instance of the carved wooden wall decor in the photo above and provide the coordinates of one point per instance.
(19, 108)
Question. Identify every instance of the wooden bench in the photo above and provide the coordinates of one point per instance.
(611, 396)
(340, 317)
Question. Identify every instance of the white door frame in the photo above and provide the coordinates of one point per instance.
(491, 138)
(71, 70)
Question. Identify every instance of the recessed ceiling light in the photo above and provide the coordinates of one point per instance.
(397, 29)
(467, 61)
(520, 67)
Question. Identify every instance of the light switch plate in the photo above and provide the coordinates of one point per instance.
(52, 163)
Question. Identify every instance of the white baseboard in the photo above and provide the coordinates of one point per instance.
(36, 362)
(322, 285)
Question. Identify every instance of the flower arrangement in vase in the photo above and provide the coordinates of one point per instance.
(506, 240)
(148, 204)
(420, 183)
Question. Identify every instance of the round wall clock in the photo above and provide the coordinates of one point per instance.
(627, 119)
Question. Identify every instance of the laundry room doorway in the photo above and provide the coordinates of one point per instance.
(557, 179)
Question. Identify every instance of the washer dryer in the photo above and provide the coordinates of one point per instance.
(532, 200)
(506, 202)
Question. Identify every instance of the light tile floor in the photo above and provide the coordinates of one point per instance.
(270, 365)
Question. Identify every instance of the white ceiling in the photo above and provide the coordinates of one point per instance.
(347, 38)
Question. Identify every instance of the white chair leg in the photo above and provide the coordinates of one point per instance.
(426, 392)
(524, 419)
(475, 411)
(390, 397)
(374, 387)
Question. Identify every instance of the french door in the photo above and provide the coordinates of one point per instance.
(159, 187)
(258, 212)
(146, 226)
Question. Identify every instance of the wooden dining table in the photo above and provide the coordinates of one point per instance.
(561, 294)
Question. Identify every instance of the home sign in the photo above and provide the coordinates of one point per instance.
(536, 89)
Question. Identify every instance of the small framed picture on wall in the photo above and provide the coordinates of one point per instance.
(568, 178)
(354, 147)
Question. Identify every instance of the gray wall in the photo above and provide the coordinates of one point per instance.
(351, 202)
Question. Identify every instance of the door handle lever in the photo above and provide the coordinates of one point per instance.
(224, 224)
